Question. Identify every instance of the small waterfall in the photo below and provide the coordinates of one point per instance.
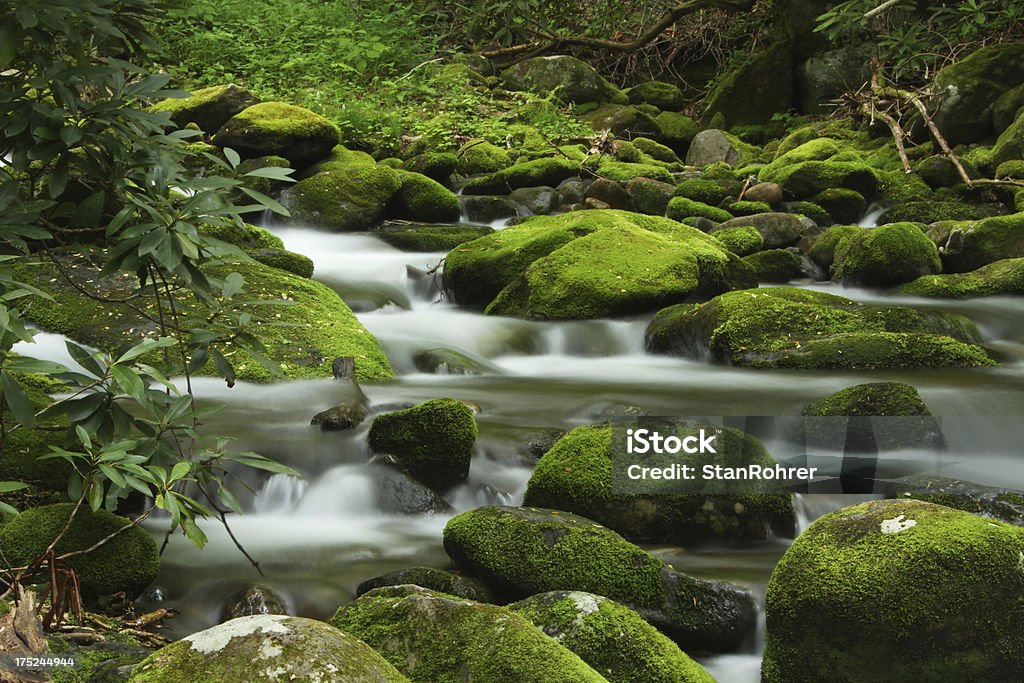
(343, 492)
(811, 506)
(280, 494)
(871, 215)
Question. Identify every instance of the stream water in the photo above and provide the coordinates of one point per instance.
(318, 538)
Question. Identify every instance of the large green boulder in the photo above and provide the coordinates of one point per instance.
(265, 648)
(676, 130)
(432, 579)
(623, 120)
(889, 399)
(613, 639)
(576, 475)
(1001, 277)
(432, 441)
(823, 251)
(969, 245)
(778, 230)
(897, 590)
(436, 165)
(437, 638)
(539, 172)
(571, 80)
(967, 90)
(681, 208)
(1006, 109)
(712, 146)
(886, 256)
(662, 95)
(523, 551)
(808, 178)
(741, 240)
(276, 128)
(480, 156)
(420, 198)
(1010, 145)
(786, 327)
(777, 266)
(208, 108)
(346, 199)
(991, 502)
(756, 90)
(127, 563)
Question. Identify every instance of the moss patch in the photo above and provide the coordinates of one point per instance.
(431, 237)
(420, 198)
(890, 399)
(344, 199)
(774, 265)
(549, 172)
(885, 256)
(276, 128)
(208, 108)
(1001, 277)
(742, 241)
(680, 208)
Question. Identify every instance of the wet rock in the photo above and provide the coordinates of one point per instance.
(675, 130)
(1001, 277)
(438, 166)
(610, 193)
(250, 601)
(775, 265)
(488, 208)
(662, 95)
(432, 579)
(535, 201)
(396, 493)
(106, 661)
(424, 238)
(992, 502)
(742, 241)
(778, 230)
(343, 199)
(756, 90)
(650, 196)
(343, 416)
(969, 245)
(420, 198)
(442, 361)
(571, 191)
(624, 121)
(711, 146)
(539, 172)
(886, 256)
(769, 193)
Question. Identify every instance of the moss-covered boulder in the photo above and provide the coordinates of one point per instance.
(432, 441)
(576, 475)
(1001, 277)
(438, 166)
(649, 196)
(433, 579)
(656, 150)
(775, 265)
(808, 178)
(620, 171)
(282, 259)
(1010, 144)
(523, 551)
(782, 327)
(437, 638)
(969, 245)
(681, 208)
(889, 399)
(756, 90)
(843, 206)
(1007, 108)
(267, 647)
(244, 236)
(675, 130)
(208, 108)
(613, 639)
(623, 120)
(345, 199)
(886, 256)
(713, 146)
(702, 190)
(420, 198)
(991, 502)
(431, 237)
(549, 172)
(571, 80)
(304, 337)
(897, 590)
(747, 207)
(742, 241)
(475, 273)
(967, 90)
(778, 230)
(341, 158)
(276, 128)
(480, 156)
(816, 149)
(662, 95)
(823, 250)
(126, 563)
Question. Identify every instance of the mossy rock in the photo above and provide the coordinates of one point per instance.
(344, 199)
(990, 502)
(702, 190)
(107, 661)
(810, 210)
(815, 149)
(267, 647)
(442, 361)
(432, 441)
(680, 208)
(549, 172)
(649, 196)
(1007, 108)
(897, 590)
(808, 178)
(420, 198)
(778, 230)
(748, 208)
(969, 245)
(341, 158)
(714, 146)
(576, 475)
(523, 551)
(23, 447)
(480, 156)
(1004, 277)
(127, 563)
(774, 265)
(886, 256)
(781, 327)
(613, 639)
(433, 579)
(933, 211)
(888, 399)
(431, 237)
(1013, 169)
(438, 166)
(662, 95)
(675, 130)
(571, 80)
(620, 271)
(267, 186)
(623, 172)
(842, 205)
(432, 637)
(656, 150)
(283, 259)
(623, 120)
(304, 337)
(742, 241)
(208, 108)
(756, 90)
(276, 128)
(823, 251)
(1010, 144)
(967, 90)
(244, 236)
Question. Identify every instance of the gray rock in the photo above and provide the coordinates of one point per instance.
(571, 191)
(535, 201)
(570, 79)
(709, 147)
(433, 579)
(827, 75)
(988, 501)
(779, 230)
(611, 193)
(251, 601)
(487, 208)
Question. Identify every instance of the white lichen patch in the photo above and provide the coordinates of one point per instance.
(216, 638)
(269, 649)
(586, 603)
(897, 524)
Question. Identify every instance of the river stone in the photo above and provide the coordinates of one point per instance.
(1007, 108)
(208, 108)
(988, 501)
(522, 551)
(488, 208)
(433, 637)
(276, 128)
(343, 199)
(1001, 277)
(575, 475)
(624, 121)
(420, 198)
(650, 196)
(571, 80)
(396, 493)
(343, 416)
(433, 579)
(886, 256)
(780, 327)
(779, 230)
(611, 638)
(712, 146)
(829, 75)
(775, 265)
(769, 193)
(1010, 145)
(662, 95)
(441, 361)
(968, 245)
(250, 601)
(267, 648)
(535, 201)
(756, 90)
(611, 193)
(103, 662)
(897, 590)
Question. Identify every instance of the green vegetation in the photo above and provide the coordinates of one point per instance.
(1000, 277)
(889, 399)
(885, 256)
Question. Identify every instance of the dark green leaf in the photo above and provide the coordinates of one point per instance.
(17, 400)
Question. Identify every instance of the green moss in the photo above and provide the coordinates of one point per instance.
(897, 590)
(811, 210)
(437, 638)
(755, 90)
(623, 172)
(681, 207)
(774, 265)
(886, 256)
(341, 158)
(283, 259)
(129, 562)
(436, 165)
(622, 120)
(721, 171)
(656, 150)
(702, 190)
(1011, 169)
(23, 447)
(432, 579)
(889, 399)
(244, 236)
(1010, 144)
(790, 327)
(842, 205)
(304, 336)
(748, 208)
(276, 128)
(971, 245)
(619, 271)
(998, 278)
(345, 199)
(662, 95)
(535, 173)
(432, 237)
(808, 178)
(613, 639)
(480, 156)
(433, 441)
(569, 79)
(209, 108)
(420, 198)
(649, 196)
(742, 241)
(267, 186)
(823, 250)
(816, 149)
(676, 130)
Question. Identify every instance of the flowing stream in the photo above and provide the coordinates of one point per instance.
(318, 538)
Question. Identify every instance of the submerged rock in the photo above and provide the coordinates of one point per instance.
(897, 590)
(430, 237)
(522, 551)
(992, 502)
